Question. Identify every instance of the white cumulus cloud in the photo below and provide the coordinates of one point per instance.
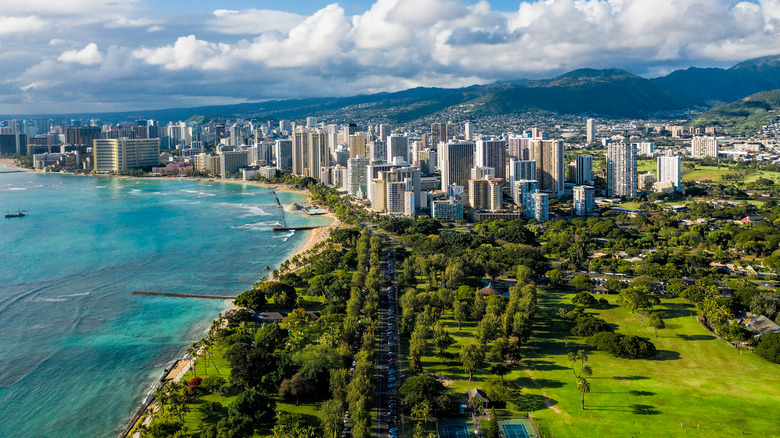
(187, 52)
(16, 25)
(89, 55)
(253, 21)
(234, 53)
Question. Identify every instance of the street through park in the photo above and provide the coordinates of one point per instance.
(386, 369)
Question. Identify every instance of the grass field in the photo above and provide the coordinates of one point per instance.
(695, 379)
(711, 173)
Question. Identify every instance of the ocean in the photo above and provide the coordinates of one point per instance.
(78, 352)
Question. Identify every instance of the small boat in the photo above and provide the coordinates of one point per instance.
(20, 213)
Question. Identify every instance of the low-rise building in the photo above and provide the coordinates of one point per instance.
(447, 211)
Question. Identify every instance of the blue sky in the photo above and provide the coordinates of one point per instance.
(143, 54)
(297, 6)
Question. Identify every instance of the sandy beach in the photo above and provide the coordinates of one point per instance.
(10, 163)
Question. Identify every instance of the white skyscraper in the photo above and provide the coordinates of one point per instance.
(384, 131)
(621, 170)
(645, 148)
(669, 170)
(590, 127)
(377, 151)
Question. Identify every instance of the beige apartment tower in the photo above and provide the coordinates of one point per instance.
(125, 153)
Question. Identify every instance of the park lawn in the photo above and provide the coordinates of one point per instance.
(630, 205)
(193, 418)
(761, 174)
(694, 379)
(712, 173)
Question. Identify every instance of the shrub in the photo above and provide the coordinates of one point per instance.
(633, 346)
(213, 383)
(630, 346)
(605, 341)
(161, 429)
(769, 347)
(584, 299)
(587, 325)
(210, 408)
(193, 384)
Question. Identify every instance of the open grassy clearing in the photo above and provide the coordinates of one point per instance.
(711, 173)
(645, 165)
(695, 379)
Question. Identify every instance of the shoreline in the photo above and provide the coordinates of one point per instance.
(143, 411)
(149, 405)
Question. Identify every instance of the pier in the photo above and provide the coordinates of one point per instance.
(310, 227)
(284, 226)
(12, 171)
(177, 295)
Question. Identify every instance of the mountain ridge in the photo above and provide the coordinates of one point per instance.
(598, 92)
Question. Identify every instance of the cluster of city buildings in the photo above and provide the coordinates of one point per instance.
(444, 171)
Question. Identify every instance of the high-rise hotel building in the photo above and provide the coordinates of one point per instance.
(621, 169)
(550, 173)
(492, 153)
(309, 152)
(456, 160)
(125, 153)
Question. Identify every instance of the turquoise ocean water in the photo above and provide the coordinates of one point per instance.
(77, 351)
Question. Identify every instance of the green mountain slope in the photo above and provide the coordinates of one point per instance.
(604, 92)
(745, 116)
(610, 92)
(706, 85)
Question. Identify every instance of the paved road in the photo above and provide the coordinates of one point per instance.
(387, 318)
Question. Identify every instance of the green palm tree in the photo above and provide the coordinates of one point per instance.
(572, 357)
(583, 356)
(160, 396)
(584, 387)
(586, 371)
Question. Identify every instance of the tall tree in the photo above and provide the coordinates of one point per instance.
(460, 311)
(657, 322)
(333, 415)
(473, 358)
(493, 431)
(441, 339)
